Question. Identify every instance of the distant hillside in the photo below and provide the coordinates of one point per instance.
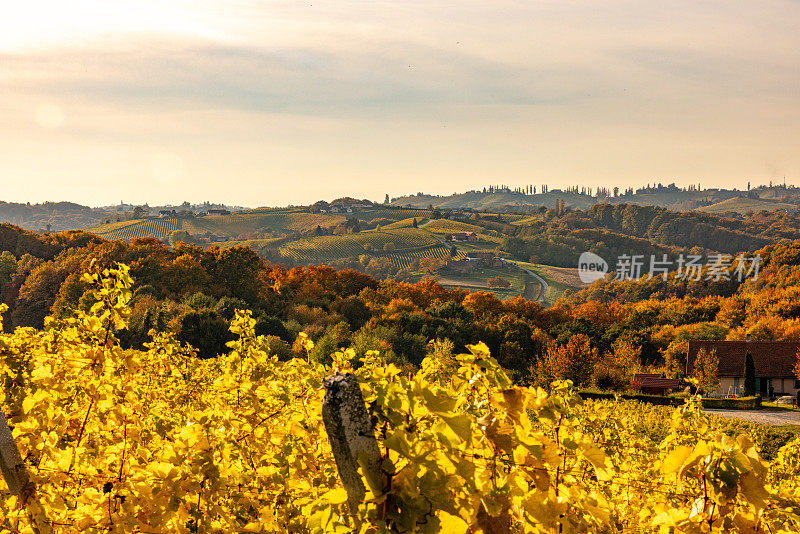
(670, 197)
(52, 216)
(477, 200)
(743, 205)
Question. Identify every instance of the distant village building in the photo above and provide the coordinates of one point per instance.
(774, 363)
(219, 212)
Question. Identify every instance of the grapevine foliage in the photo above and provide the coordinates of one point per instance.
(160, 441)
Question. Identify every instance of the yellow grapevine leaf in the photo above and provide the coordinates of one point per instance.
(675, 460)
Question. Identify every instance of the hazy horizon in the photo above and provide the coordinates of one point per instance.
(277, 103)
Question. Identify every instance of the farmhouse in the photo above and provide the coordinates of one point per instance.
(774, 362)
(653, 384)
(463, 266)
(166, 213)
(463, 236)
(485, 259)
(219, 212)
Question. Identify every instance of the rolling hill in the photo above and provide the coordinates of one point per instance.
(742, 205)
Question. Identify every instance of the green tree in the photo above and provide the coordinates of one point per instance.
(749, 376)
(268, 325)
(236, 269)
(205, 330)
(179, 236)
(8, 266)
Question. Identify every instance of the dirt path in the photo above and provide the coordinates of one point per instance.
(542, 281)
(763, 417)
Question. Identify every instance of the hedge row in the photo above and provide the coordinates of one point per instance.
(743, 403)
(652, 399)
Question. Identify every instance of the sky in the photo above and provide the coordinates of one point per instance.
(270, 103)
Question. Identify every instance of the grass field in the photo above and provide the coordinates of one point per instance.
(743, 205)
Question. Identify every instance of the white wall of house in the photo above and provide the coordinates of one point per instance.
(730, 385)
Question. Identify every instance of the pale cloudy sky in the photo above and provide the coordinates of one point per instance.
(277, 102)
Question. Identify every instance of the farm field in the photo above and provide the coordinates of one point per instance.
(560, 280)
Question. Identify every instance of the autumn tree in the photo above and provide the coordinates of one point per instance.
(430, 264)
(706, 370)
(574, 360)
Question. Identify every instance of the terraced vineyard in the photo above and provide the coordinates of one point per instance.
(110, 227)
(404, 260)
(444, 226)
(406, 223)
(326, 248)
(391, 214)
(129, 230)
(249, 222)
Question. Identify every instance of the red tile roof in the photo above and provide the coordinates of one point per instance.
(646, 380)
(772, 359)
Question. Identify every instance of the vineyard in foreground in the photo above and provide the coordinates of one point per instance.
(159, 441)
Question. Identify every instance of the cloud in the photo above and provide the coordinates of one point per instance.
(409, 78)
(437, 95)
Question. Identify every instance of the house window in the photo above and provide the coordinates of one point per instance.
(797, 384)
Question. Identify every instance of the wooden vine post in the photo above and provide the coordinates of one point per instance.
(352, 437)
(16, 476)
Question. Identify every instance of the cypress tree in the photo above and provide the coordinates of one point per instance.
(749, 376)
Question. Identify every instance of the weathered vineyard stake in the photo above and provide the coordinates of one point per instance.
(351, 436)
(16, 476)
(12, 465)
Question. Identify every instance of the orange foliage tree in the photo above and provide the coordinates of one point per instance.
(574, 360)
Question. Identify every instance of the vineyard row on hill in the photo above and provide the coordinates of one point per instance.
(158, 228)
